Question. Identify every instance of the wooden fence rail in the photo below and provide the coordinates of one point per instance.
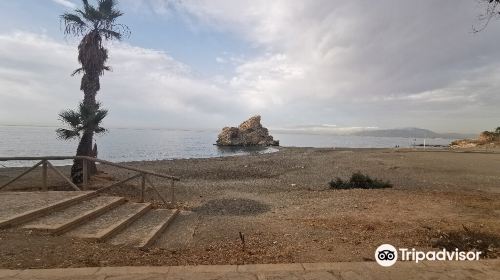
(44, 162)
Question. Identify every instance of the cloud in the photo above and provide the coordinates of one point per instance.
(65, 3)
(360, 63)
(146, 87)
(352, 63)
(322, 129)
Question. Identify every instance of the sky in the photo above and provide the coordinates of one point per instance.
(327, 64)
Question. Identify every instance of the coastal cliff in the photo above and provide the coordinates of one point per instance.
(486, 138)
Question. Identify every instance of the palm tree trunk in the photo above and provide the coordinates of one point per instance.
(84, 149)
(90, 86)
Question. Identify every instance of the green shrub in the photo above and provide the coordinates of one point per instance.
(359, 181)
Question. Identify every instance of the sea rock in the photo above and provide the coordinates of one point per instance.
(249, 133)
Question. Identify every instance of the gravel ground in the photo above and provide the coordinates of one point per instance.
(282, 205)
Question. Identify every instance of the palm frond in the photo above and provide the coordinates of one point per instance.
(121, 28)
(85, 119)
(73, 24)
(66, 134)
(71, 117)
(101, 19)
(491, 12)
(105, 7)
(100, 130)
(85, 112)
(92, 117)
(77, 71)
(95, 23)
(90, 13)
(111, 34)
(73, 18)
(82, 14)
(85, 3)
(99, 115)
(114, 14)
(108, 12)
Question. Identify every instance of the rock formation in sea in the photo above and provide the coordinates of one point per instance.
(249, 133)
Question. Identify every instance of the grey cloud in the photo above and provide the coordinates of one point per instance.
(146, 87)
(388, 63)
(389, 58)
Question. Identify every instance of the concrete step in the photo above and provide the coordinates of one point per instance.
(65, 219)
(179, 234)
(31, 205)
(143, 232)
(110, 223)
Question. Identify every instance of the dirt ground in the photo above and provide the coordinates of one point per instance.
(283, 206)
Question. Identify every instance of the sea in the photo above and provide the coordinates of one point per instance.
(127, 144)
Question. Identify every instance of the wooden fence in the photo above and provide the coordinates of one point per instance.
(44, 162)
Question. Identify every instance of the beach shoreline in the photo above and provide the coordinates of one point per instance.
(281, 202)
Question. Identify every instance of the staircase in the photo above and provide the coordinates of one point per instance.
(97, 217)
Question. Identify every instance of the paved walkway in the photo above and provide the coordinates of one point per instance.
(485, 269)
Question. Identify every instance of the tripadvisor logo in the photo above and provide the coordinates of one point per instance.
(387, 255)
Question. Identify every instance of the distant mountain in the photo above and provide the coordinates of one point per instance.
(411, 132)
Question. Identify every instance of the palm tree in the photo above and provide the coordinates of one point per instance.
(94, 24)
(79, 123)
(491, 11)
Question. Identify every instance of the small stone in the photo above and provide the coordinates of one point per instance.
(434, 241)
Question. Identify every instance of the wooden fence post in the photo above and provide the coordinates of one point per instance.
(75, 187)
(85, 172)
(21, 175)
(143, 186)
(172, 186)
(44, 176)
(85, 166)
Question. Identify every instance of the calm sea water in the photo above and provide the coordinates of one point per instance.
(120, 145)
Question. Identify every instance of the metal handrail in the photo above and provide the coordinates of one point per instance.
(44, 162)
